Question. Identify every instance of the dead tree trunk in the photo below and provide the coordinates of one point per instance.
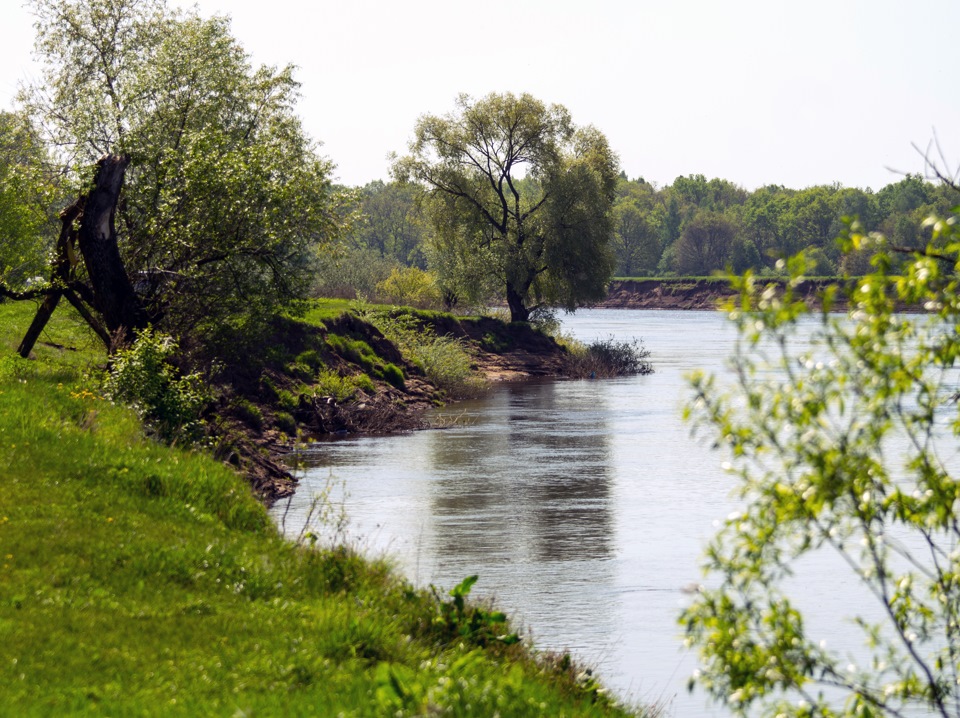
(114, 298)
(111, 293)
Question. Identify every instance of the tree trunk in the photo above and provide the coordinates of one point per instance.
(518, 309)
(113, 293)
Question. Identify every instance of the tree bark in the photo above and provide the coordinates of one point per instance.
(114, 298)
(111, 294)
(518, 309)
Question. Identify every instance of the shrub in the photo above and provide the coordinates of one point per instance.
(341, 388)
(248, 412)
(169, 404)
(393, 374)
(349, 272)
(609, 357)
(412, 286)
(285, 423)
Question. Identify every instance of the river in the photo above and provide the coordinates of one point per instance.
(584, 506)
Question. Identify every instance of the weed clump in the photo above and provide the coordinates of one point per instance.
(609, 357)
(169, 404)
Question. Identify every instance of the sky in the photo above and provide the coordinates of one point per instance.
(754, 91)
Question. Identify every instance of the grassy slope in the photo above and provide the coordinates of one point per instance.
(141, 580)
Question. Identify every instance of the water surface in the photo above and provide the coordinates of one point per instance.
(584, 506)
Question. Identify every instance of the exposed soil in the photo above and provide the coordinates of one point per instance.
(698, 294)
(507, 352)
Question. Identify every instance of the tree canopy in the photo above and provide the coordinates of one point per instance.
(27, 194)
(225, 197)
(519, 194)
(842, 431)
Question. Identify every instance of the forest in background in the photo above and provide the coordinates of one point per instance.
(692, 227)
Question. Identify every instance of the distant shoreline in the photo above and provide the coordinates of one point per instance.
(690, 293)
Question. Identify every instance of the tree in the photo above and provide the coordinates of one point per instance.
(26, 196)
(513, 181)
(637, 220)
(225, 197)
(705, 244)
(390, 222)
(842, 433)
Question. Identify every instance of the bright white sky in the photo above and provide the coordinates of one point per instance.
(754, 91)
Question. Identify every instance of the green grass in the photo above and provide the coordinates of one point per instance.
(322, 310)
(136, 579)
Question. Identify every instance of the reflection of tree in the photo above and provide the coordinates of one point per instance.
(530, 478)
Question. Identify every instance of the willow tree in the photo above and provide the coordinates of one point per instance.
(519, 195)
(225, 197)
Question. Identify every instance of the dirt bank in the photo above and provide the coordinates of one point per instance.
(274, 402)
(699, 294)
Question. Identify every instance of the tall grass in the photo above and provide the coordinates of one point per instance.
(445, 360)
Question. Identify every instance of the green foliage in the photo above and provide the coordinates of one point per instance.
(346, 272)
(481, 626)
(342, 388)
(26, 198)
(287, 400)
(225, 198)
(842, 434)
(362, 354)
(705, 244)
(410, 286)
(390, 223)
(170, 404)
(444, 360)
(518, 196)
(248, 412)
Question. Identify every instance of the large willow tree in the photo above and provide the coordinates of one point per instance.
(519, 196)
(225, 197)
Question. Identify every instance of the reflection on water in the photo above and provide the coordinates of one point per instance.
(529, 475)
(584, 506)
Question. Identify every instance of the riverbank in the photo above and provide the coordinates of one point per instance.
(703, 293)
(331, 371)
(143, 579)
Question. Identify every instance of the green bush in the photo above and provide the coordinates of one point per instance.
(411, 286)
(248, 412)
(287, 400)
(393, 374)
(169, 404)
(341, 388)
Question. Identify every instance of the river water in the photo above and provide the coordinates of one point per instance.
(584, 506)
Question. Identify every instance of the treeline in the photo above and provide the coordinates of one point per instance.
(693, 226)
